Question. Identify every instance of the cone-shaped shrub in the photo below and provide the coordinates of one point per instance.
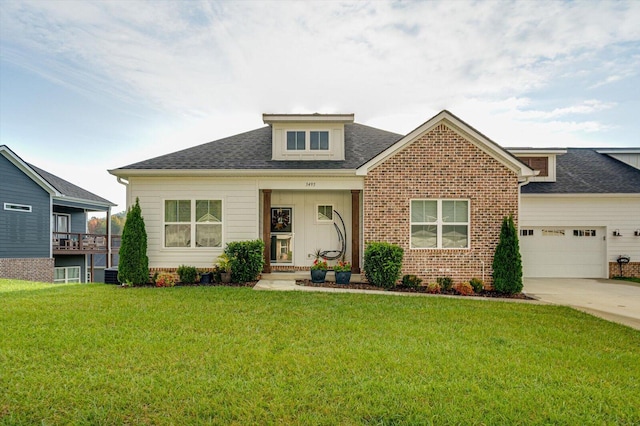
(507, 263)
(134, 263)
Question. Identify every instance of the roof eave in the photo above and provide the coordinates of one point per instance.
(126, 173)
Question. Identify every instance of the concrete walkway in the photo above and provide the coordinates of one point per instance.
(613, 300)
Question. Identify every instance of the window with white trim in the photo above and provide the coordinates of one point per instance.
(584, 232)
(325, 213)
(297, 140)
(193, 223)
(526, 232)
(439, 224)
(66, 274)
(17, 207)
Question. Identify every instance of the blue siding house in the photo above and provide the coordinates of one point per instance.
(43, 226)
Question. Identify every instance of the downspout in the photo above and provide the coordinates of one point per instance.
(124, 182)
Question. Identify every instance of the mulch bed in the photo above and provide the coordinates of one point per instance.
(402, 289)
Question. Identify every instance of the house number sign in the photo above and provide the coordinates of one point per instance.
(310, 184)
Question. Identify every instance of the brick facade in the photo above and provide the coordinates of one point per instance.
(29, 269)
(441, 164)
(631, 269)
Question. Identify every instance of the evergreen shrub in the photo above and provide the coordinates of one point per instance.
(246, 259)
(382, 264)
(507, 263)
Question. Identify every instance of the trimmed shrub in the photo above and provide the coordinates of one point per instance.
(187, 274)
(165, 279)
(246, 259)
(382, 264)
(133, 268)
(477, 284)
(507, 263)
(445, 283)
(433, 288)
(464, 289)
(411, 281)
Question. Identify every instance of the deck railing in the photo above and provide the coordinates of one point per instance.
(75, 242)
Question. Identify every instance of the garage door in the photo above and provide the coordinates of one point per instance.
(563, 252)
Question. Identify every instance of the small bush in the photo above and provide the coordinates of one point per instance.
(165, 279)
(411, 281)
(246, 259)
(382, 264)
(464, 289)
(433, 288)
(187, 274)
(477, 284)
(445, 283)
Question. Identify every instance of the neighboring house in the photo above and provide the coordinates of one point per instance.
(440, 192)
(581, 213)
(43, 226)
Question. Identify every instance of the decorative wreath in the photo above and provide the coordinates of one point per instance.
(280, 219)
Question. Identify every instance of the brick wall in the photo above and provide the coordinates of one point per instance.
(441, 164)
(631, 269)
(30, 269)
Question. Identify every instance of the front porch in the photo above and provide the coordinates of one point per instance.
(295, 224)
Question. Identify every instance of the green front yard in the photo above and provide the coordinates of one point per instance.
(101, 354)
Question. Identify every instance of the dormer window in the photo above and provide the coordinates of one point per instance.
(319, 141)
(297, 140)
(308, 137)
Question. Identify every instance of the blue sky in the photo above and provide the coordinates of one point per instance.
(91, 86)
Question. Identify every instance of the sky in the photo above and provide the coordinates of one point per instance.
(90, 86)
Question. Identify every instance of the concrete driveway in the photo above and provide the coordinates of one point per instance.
(613, 300)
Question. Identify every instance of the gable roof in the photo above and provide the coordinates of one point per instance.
(586, 171)
(251, 151)
(57, 187)
(478, 139)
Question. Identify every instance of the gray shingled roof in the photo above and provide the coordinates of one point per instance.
(585, 171)
(68, 189)
(252, 151)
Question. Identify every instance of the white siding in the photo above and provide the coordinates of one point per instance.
(240, 213)
(610, 212)
(631, 159)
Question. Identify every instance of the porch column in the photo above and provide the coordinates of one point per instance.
(355, 231)
(266, 229)
(108, 224)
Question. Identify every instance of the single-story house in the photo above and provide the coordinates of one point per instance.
(43, 226)
(308, 182)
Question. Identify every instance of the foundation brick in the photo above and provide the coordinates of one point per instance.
(29, 269)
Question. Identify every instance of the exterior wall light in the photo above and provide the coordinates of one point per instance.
(637, 233)
(616, 233)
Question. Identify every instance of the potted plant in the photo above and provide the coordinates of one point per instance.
(319, 269)
(224, 268)
(343, 272)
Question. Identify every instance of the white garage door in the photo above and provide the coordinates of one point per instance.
(563, 252)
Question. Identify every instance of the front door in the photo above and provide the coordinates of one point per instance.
(282, 235)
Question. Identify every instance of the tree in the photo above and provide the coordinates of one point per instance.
(507, 263)
(134, 263)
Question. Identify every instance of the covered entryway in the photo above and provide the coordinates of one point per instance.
(563, 252)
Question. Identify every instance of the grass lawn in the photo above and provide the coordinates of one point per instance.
(101, 354)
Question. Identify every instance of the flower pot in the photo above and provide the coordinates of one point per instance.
(318, 275)
(343, 277)
(225, 277)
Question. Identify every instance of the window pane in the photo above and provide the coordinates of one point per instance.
(325, 213)
(209, 211)
(424, 211)
(63, 224)
(455, 211)
(319, 140)
(73, 274)
(300, 140)
(177, 211)
(208, 235)
(291, 140)
(424, 236)
(177, 235)
(59, 274)
(454, 236)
